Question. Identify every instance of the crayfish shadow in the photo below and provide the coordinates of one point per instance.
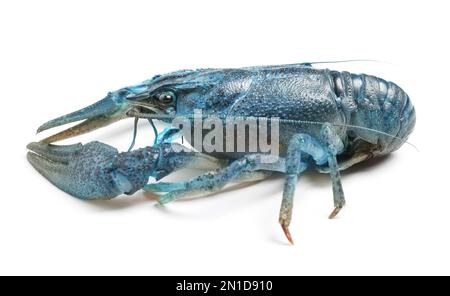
(368, 165)
(125, 201)
(323, 179)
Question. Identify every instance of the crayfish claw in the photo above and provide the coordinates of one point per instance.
(80, 170)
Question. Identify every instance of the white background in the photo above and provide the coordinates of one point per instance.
(59, 56)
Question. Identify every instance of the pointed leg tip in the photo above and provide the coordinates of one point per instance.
(335, 212)
(288, 234)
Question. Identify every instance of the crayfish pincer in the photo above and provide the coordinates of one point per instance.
(310, 118)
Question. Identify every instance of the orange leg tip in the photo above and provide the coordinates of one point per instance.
(288, 234)
(334, 213)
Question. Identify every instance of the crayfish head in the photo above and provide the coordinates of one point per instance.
(124, 103)
(163, 97)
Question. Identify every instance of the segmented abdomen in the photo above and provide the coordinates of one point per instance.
(378, 105)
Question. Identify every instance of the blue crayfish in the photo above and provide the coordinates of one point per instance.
(328, 121)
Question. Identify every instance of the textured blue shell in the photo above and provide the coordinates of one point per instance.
(371, 115)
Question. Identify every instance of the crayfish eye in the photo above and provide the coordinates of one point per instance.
(166, 97)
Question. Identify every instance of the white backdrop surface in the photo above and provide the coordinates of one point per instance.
(59, 56)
